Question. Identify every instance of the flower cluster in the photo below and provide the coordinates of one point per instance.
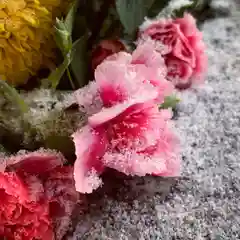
(126, 130)
(37, 196)
(177, 41)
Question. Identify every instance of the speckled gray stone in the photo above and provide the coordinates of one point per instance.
(204, 203)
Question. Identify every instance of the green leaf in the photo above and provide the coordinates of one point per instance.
(2, 150)
(157, 7)
(170, 102)
(56, 75)
(63, 41)
(69, 20)
(64, 144)
(13, 95)
(60, 24)
(80, 27)
(77, 58)
(64, 28)
(132, 13)
(80, 60)
(62, 37)
(71, 51)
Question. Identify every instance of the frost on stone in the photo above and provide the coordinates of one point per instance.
(222, 7)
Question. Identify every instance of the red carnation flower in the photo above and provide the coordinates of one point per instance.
(37, 196)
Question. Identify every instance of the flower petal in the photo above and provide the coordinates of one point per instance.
(153, 150)
(62, 196)
(119, 83)
(37, 163)
(13, 186)
(146, 54)
(121, 57)
(88, 98)
(3, 163)
(179, 73)
(187, 24)
(150, 64)
(185, 44)
(108, 114)
(90, 146)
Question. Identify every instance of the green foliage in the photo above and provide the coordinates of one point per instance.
(11, 93)
(73, 57)
(170, 102)
(70, 18)
(63, 30)
(64, 144)
(79, 60)
(56, 75)
(2, 150)
(157, 7)
(101, 19)
(132, 13)
(73, 53)
(62, 36)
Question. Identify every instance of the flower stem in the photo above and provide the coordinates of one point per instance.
(70, 79)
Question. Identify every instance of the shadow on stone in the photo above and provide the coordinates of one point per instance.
(118, 189)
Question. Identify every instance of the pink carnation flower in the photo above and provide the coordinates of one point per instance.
(125, 130)
(37, 196)
(149, 64)
(184, 51)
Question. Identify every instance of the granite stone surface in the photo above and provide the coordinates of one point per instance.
(204, 202)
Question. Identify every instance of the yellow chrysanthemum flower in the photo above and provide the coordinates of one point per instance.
(26, 37)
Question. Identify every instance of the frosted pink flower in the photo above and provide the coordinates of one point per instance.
(37, 196)
(128, 133)
(149, 63)
(145, 63)
(185, 51)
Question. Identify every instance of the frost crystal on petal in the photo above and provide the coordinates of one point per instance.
(88, 98)
(37, 162)
(90, 146)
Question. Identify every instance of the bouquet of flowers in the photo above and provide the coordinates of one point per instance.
(86, 86)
